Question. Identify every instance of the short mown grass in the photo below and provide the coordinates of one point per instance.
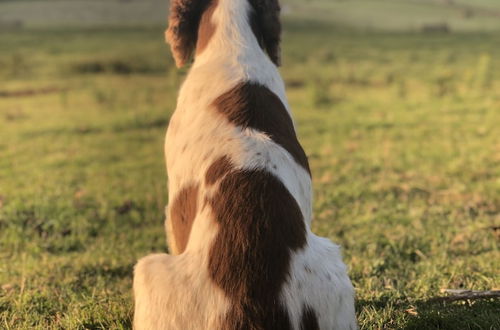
(401, 130)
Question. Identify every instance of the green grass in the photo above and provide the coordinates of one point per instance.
(387, 15)
(402, 15)
(401, 130)
(54, 13)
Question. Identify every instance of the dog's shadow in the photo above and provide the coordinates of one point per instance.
(432, 314)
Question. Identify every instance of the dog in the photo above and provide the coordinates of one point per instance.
(238, 220)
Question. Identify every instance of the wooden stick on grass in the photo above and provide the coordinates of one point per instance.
(467, 295)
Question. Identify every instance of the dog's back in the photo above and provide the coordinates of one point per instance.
(238, 221)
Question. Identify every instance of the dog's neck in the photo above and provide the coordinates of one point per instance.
(225, 34)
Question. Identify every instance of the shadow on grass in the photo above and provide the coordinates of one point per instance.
(91, 276)
(432, 314)
(125, 324)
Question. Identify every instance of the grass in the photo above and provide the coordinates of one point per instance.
(388, 15)
(401, 130)
(402, 15)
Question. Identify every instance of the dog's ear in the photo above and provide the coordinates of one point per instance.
(182, 31)
(266, 25)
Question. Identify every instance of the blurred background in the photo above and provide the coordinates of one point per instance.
(397, 104)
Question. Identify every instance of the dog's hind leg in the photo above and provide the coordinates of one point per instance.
(174, 292)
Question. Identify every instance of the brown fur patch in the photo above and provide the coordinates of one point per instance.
(266, 26)
(182, 32)
(260, 225)
(207, 28)
(309, 321)
(182, 215)
(255, 106)
(218, 169)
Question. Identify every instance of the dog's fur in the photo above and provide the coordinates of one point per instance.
(238, 222)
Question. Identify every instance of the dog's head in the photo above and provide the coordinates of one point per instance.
(189, 21)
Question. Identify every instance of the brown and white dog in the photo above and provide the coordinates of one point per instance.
(238, 222)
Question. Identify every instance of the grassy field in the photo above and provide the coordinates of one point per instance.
(401, 129)
(388, 15)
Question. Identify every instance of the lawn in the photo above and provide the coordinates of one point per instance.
(401, 130)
